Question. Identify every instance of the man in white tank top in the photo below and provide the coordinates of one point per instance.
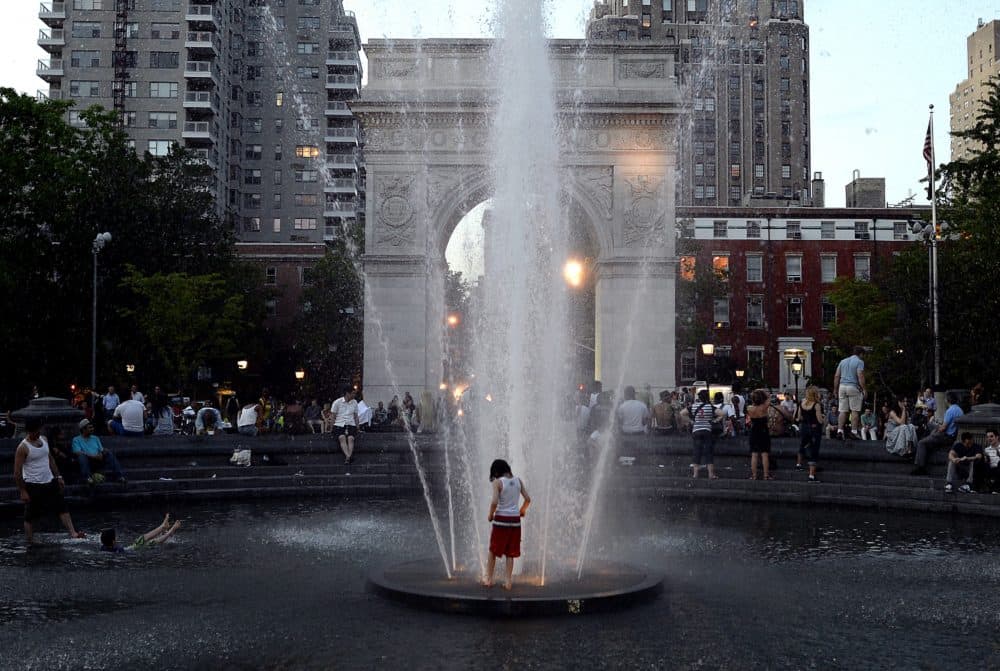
(38, 480)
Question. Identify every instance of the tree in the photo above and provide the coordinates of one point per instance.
(699, 284)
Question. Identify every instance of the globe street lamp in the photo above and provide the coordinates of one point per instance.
(796, 371)
(242, 364)
(99, 242)
(708, 349)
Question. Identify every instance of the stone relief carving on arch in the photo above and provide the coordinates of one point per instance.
(395, 216)
(644, 218)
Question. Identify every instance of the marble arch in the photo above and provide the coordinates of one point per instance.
(426, 113)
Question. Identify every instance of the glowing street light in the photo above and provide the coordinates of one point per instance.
(242, 364)
(454, 320)
(300, 375)
(573, 273)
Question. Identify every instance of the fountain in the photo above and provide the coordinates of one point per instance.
(516, 407)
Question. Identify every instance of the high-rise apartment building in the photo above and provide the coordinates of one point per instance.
(745, 66)
(967, 100)
(258, 89)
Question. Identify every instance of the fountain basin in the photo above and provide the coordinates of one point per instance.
(606, 585)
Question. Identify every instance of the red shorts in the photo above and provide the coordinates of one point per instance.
(505, 539)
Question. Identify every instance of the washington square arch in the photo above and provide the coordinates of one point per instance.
(427, 116)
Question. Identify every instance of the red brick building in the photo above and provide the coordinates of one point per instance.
(780, 264)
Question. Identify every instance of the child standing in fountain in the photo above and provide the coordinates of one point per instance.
(505, 538)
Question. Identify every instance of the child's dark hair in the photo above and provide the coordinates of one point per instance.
(498, 468)
(108, 538)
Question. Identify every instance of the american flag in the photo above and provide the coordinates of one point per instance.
(929, 147)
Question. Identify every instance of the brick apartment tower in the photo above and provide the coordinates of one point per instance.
(967, 100)
(745, 66)
(258, 89)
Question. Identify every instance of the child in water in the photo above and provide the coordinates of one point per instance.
(157, 536)
(505, 538)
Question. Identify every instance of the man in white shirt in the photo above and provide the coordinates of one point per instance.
(345, 423)
(111, 400)
(633, 415)
(137, 395)
(129, 419)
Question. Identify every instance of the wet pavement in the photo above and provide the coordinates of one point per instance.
(281, 585)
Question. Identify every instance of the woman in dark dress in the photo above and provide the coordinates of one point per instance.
(810, 415)
(760, 436)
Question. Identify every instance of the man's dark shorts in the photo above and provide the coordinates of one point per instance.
(346, 430)
(45, 500)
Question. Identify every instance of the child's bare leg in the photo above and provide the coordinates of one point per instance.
(153, 533)
(165, 536)
(67, 522)
(490, 567)
(509, 582)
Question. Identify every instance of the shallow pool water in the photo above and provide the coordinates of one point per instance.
(281, 585)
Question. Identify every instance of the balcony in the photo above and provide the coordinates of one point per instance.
(342, 161)
(343, 34)
(348, 82)
(341, 185)
(205, 157)
(201, 14)
(343, 135)
(343, 58)
(341, 208)
(200, 100)
(330, 233)
(336, 108)
(201, 70)
(50, 69)
(198, 130)
(54, 38)
(52, 13)
(206, 41)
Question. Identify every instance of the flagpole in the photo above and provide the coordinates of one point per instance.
(934, 262)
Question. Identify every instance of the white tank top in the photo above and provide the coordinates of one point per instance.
(36, 466)
(510, 496)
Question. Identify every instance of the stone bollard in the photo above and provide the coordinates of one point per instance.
(54, 413)
(982, 418)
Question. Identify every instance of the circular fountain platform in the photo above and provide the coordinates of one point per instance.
(605, 586)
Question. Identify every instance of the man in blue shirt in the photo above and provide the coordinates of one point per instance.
(90, 454)
(945, 435)
(849, 385)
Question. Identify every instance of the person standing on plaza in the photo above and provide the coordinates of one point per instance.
(91, 455)
(505, 519)
(703, 414)
(137, 395)
(760, 434)
(849, 385)
(943, 436)
(809, 415)
(345, 423)
(39, 482)
(266, 415)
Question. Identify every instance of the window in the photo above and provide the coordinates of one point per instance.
(753, 229)
(793, 268)
(720, 312)
(755, 268)
(158, 147)
(252, 177)
(163, 119)
(251, 201)
(720, 265)
(85, 59)
(307, 48)
(758, 170)
(271, 307)
(254, 99)
(254, 72)
(132, 30)
(305, 72)
(252, 224)
(861, 230)
(86, 29)
(163, 89)
(899, 230)
(75, 120)
(793, 230)
(308, 23)
(828, 230)
(306, 199)
(276, 201)
(795, 312)
(279, 99)
(165, 31)
(755, 363)
(699, 192)
(709, 192)
(88, 4)
(755, 312)
(254, 152)
(306, 151)
(686, 267)
(862, 267)
(276, 224)
(735, 193)
(688, 368)
(164, 5)
(270, 275)
(254, 49)
(786, 171)
(786, 85)
(277, 152)
(828, 317)
(734, 170)
(699, 169)
(828, 268)
(720, 229)
(164, 60)
(305, 224)
(306, 175)
(255, 125)
(647, 20)
(307, 124)
(85, 89)
(276, 179)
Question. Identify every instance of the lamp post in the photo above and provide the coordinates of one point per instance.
(930, 233)
(796, 371)
(99, 241)
(708, 349)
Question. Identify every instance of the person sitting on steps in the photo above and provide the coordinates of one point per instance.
(943, 436)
